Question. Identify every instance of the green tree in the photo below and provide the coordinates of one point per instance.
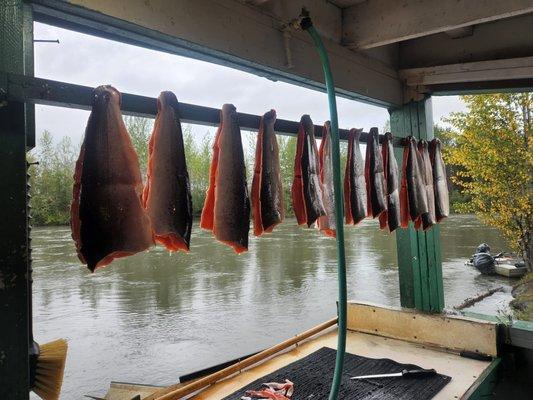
(198, 155)
(386, 126)
(140, 129)
(493, 155)
(448, 138)
(51, 180)
(287, 152)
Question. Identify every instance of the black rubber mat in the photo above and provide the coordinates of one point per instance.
(312, 377)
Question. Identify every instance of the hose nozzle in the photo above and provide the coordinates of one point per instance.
(305, 19)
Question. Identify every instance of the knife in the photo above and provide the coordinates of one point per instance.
(406, 373)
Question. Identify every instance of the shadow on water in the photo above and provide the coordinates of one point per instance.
(154, 316)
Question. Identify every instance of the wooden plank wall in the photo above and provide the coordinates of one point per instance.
(452, 333)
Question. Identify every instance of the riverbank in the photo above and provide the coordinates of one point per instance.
(522, 304)
(196, 216)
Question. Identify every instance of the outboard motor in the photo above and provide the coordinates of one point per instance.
(483, 248)
(483, 261)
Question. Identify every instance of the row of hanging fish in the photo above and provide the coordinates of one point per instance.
(372, 186)
(113, 215)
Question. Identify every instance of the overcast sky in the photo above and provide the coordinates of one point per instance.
(92, 61)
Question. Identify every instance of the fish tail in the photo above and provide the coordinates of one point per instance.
(173, 242)
(269, 229)
(330, 232)
(383, 219)
(237, 248)
(109, 259)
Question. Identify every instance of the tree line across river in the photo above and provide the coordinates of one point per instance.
(51, 180)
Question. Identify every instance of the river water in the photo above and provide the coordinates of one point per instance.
(155, 316)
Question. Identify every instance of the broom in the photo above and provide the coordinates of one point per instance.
(48, 367)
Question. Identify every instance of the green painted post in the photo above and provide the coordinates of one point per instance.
(419, 260)
(14, 294)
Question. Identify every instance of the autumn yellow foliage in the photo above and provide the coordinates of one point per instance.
(493, 159)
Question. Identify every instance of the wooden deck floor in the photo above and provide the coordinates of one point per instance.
(403, 335)
(463, 371)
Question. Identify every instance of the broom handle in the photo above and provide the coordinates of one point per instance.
(177, 391)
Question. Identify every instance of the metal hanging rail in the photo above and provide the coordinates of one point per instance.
(23, 88)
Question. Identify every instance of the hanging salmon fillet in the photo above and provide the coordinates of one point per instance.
(391, 216)
(374, 176)
(413, 197)
(167, 194)
(427, 219)
(354, 181)
(107, 217)
(267, 191)
(306, 189)
(442, 200)
(226, 209)
(326, 223)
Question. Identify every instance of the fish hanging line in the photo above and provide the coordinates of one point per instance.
(304, 22)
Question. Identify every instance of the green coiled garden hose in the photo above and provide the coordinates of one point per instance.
(307, 25)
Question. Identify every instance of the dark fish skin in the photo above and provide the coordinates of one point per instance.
(390, 217)
(427, 219)
(413, 197)
(375, 176)
(306, 188)
(326, 223)
(442, 199)
(232, 204)
(267, 190)
(107, 217)
(167, 194)
(355, 200)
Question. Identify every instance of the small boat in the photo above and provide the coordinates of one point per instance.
(510, 270)
(504, 264)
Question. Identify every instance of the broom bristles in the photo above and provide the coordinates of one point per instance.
(50, 368)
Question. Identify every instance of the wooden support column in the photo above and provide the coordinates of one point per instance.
(419, 258)
(14, 293)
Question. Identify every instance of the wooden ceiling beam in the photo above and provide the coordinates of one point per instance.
(376, 23)
(480, 71)
(228, 33)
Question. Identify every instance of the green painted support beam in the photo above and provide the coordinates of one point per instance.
(14, 293)
(27, 37)
(419, 257)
